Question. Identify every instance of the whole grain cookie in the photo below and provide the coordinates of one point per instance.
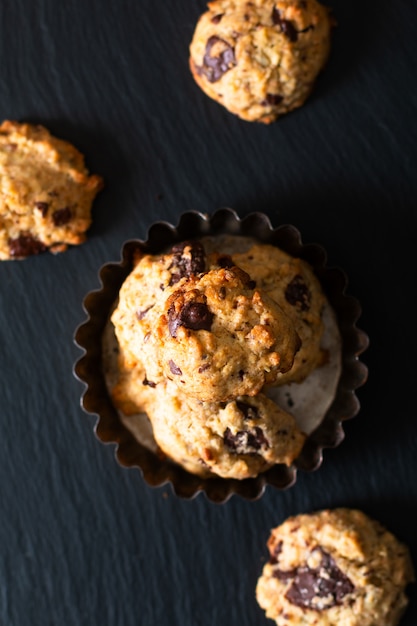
(238, 439)
(216, 336)
(290, 282)
(260, 58)
(334, 567)
(46, 192)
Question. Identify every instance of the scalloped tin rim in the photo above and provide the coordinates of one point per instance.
(88, 368)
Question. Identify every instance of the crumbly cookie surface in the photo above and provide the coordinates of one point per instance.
(334, 567)
(215, 336)
(291, 283)
(145, 288)
(46, 193)
(260, 58)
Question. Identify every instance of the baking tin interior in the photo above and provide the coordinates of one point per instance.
(90, 368)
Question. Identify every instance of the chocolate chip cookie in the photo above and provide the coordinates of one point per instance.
(334, 567)
(46, 193)
(216, 336)
(237, 439)
(260, 58)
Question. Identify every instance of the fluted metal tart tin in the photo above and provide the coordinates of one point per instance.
(134, 446)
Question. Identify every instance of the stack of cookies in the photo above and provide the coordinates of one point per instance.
(204, 337)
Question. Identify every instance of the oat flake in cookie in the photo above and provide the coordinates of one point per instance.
(334, 568)
(260, 59)
(46, 193)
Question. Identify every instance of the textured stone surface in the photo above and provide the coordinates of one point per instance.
(83, 541)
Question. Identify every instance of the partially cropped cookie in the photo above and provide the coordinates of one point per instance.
(291, 283)
(334, 567)
(260, 59)
(237, 439)
(46, 192)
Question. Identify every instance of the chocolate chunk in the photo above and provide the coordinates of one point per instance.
(298, 294)
(245, 441)
(225, 260)
(174, 368)
(174, 321)
(42, 207)
(285, 575)
(272, 99)
(274, 553)
(196, 316)
(317, 588)
(60, 217)
(249, 411)
(214, 67)
(141, 314)
(149, 383)
(25, 245)
(287, 27)
(216, 18)
(185, 265)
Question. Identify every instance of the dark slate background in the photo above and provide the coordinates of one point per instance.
(84, 541)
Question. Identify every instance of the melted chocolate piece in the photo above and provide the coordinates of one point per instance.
(225, 261)
(182, 265)
(60, 217)
(320, 588)
(249, 411)
(194, 316)
(298, 294)
(25, 245)
(42, 207)
(245, 441)
(214, 67)
(287, 27)
(174, 368)
(149, 383)
(217, 18)
(272, 99)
